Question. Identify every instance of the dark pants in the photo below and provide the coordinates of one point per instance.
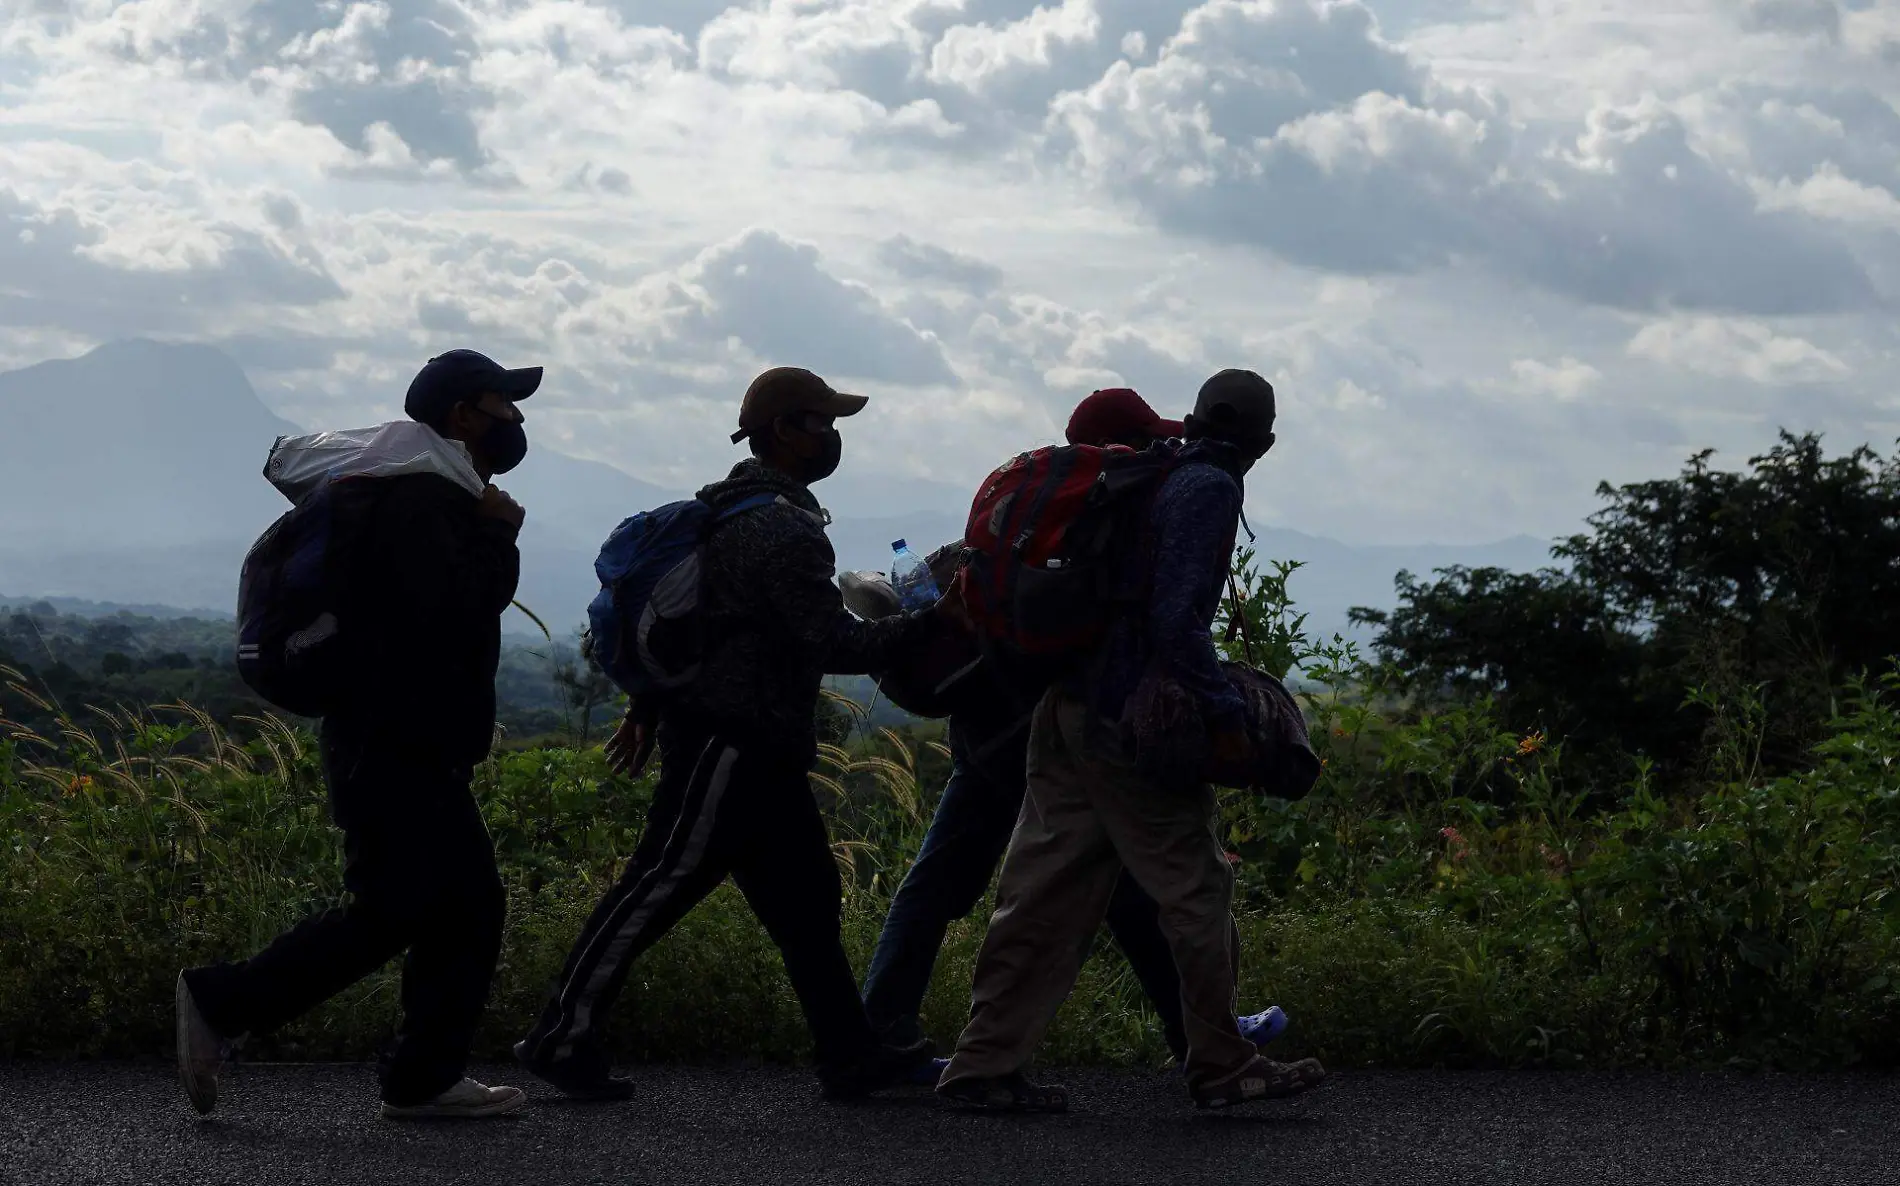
(961, 850)
(720, 808)
(420, 869)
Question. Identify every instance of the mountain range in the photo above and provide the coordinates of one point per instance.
(133, 474)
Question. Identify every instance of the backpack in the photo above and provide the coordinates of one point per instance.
(290, 640)
(1045, 545)
(290, 643)
(643, 627)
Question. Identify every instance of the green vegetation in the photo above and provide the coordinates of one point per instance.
(1496, 869)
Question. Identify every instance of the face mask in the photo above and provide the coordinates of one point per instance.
(825, 462)
(504, 444)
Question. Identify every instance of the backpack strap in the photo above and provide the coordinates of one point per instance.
(752, 503)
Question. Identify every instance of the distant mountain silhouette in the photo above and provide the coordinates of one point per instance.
(133, 475)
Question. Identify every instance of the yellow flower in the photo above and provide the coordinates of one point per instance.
(1531, 744)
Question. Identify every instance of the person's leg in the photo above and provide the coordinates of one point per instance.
(960, 853)
(786, 869)
(1056, 881)
(1134, 918)
(1167, 841)
(455, 946)
(329, 951)
(683, 855)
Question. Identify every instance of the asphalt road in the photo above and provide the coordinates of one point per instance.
(128, 1123)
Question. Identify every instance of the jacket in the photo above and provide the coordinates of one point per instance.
(427, 583)
(775, 624)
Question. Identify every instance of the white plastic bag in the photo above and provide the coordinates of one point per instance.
(298, 465)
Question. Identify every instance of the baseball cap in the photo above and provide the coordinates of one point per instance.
(1114, 413)
(1247, 397)
(462, 377)
(782, 391)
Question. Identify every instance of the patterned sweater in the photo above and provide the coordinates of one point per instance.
(775, 623)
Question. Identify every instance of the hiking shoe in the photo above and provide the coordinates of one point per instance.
(1262, 1079)
(467, 1100)
(927, 1074)
(888, 1067)
(1009, 1093)
(202, 1052)
(576, 1080)
(1263, 1027)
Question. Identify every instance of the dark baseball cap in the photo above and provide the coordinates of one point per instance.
(1247, 397)
(782, 391)
(1113, 414)
(463, 377)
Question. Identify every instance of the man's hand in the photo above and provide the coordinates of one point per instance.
(950, 607)
(632, 743)
(496, 504)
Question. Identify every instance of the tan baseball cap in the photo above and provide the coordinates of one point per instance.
(782, 391)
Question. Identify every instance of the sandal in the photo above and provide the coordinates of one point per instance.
(1009, 1093)
(1262, 1079)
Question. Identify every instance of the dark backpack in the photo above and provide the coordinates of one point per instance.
(643, 627)
(290, 640)
(1046, 548)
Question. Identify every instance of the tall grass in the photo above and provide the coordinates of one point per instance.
(1445, 897)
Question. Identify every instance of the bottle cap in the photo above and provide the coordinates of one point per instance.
(899, 546)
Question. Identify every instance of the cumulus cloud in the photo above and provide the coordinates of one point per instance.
(1728, 348)
(1488, 255)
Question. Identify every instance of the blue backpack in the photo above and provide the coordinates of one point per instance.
(290, 642)
(643, 627)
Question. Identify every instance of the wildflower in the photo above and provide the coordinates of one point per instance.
(1338, 732)
(1233, 858)
(1459, 848)
(1557, 862)
(80, 784)
(1531, 743)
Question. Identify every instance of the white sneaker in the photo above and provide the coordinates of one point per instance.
(202, 1052)
(467, 1100)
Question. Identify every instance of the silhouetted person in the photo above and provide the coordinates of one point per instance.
(1090, 813)
(428, 580)
(736, 748)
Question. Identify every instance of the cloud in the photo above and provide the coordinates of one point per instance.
(929, 263)
(1567, 379)
(1822, 17)
(1293, 126)
(1727, 348)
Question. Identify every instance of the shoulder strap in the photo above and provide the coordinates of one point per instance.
(752, 503)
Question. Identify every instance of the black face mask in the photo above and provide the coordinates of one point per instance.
(505, 443)
(830, 453)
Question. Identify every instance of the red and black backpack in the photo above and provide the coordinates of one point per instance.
(1048, 545)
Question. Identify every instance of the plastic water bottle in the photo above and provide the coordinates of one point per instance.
(911, 578)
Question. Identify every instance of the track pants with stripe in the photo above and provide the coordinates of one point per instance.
(720, 808)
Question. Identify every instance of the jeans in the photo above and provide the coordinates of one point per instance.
(960, 853)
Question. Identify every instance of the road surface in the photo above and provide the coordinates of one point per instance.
(106, 1124)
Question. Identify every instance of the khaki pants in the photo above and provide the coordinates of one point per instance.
(1089, 813)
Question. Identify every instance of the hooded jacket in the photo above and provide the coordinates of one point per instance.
(775, 624)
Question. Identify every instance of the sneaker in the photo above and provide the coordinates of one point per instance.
(928, 1073)
(888, 1067)
(202, 1052)
(1262, 1079)
(467, 1100)
(1009, 1093)
(576, 1080)
(1263, 1027)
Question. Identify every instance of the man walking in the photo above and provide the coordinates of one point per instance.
(978, 809)
(1089, 812)
(428, 580)
(736, 748)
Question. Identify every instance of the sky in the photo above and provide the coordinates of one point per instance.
(1490, 252)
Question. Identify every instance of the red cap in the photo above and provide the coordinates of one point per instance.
(1114, 414)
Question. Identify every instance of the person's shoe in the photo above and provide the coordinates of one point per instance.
(1008, 1093)
(888, 1067)
(576, 1080)
(202, 1052)
(467, 1100)
(927, 1074)
(1262, 1079)
(1263, 1027)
